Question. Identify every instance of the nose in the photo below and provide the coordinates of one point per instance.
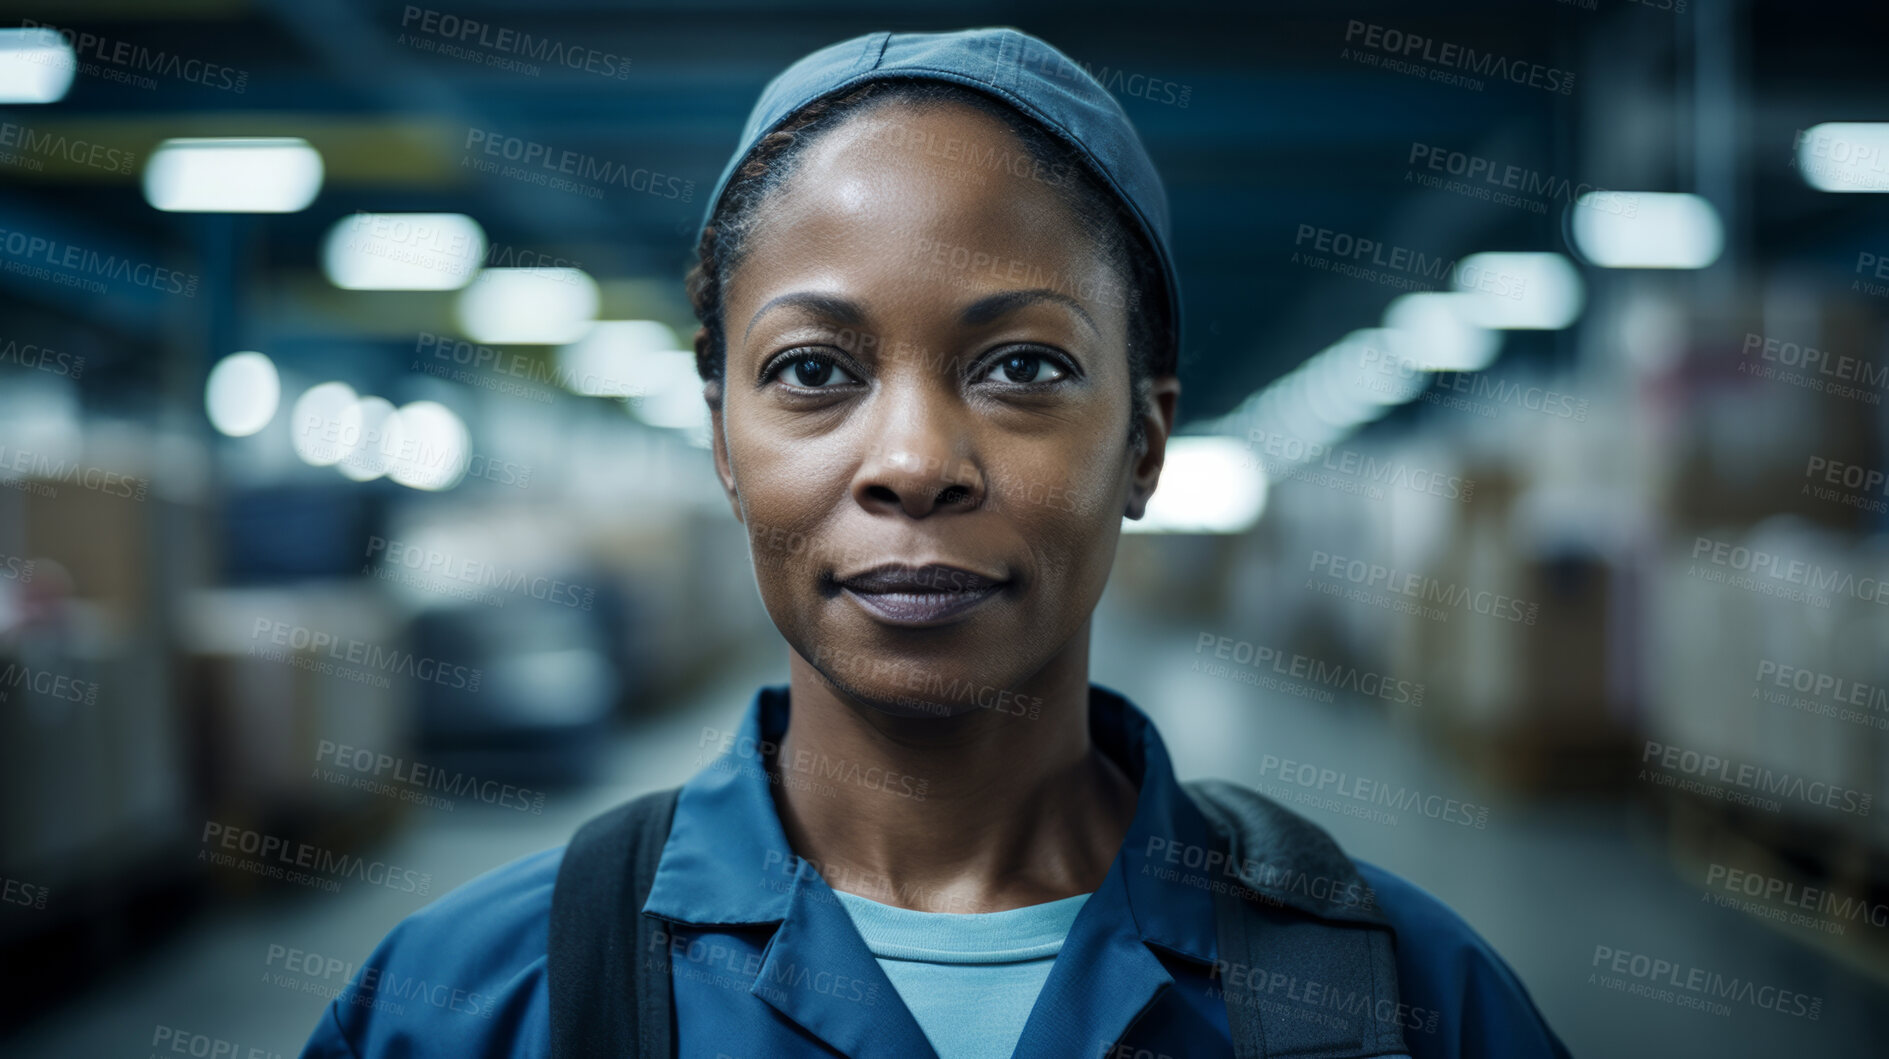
(917, 461)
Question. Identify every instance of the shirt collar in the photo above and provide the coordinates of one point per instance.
(727, 860)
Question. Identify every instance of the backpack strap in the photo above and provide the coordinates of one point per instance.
(601, 945)
(1308, 968)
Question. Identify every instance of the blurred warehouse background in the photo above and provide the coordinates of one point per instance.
(1532, 481)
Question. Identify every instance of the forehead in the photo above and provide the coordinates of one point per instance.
(935, 196)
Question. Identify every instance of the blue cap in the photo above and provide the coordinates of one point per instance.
(1042, 83)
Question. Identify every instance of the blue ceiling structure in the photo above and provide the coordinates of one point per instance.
(1262, 118)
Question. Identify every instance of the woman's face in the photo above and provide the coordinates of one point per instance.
(924, 420)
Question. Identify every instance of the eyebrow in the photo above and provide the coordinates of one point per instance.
(830, 305)
(986, 309)
(979, 312)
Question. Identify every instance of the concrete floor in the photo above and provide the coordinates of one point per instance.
(1544, 884)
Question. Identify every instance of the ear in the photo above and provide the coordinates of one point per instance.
(1158, 423)
(718, 438)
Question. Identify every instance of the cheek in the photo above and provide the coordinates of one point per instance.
(1071, 467)
(777, 469)
(1068, 506)
(789, 492)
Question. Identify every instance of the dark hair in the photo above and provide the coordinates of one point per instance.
(1099, 211)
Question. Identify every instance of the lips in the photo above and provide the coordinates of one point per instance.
(921, 595)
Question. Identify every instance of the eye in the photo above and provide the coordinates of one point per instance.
(1022, 367)
(810, 370)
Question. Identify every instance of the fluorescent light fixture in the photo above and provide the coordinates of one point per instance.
(1845, 156)
(1387, 378)
(1283, 410)
(36, 66)
(1209, 484)
(373, 432)
(434, 447)
(242, 394)
(673, 397)
(1358, 378)
(528, 306)
(1331, 397)
(255, 175)
(1647, 229)
(610, 360)
(1431, 329)
(403, 251)
(1520, 291)
(315, 423)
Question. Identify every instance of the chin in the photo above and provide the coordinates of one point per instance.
(910, 688)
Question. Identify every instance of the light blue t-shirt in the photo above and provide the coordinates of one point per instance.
(969, 978)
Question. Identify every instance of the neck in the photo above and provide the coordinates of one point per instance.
(978, 812)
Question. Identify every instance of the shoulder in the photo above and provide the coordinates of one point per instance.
(1469, 1001)
(463, 976)
(499, 919)
(1465, 1001)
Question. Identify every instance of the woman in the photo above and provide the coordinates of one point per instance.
(938, 346)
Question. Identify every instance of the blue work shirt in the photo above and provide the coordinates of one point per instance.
(766, 963)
